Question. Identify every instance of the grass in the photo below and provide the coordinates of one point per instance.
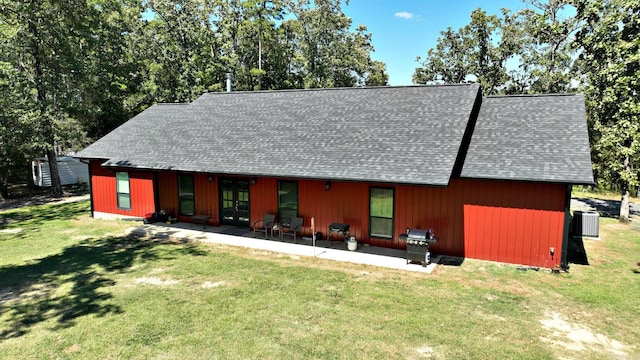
(72, 287)
(597, 193)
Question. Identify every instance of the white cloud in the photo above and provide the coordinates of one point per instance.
(405, 15)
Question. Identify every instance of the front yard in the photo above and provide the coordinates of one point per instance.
(75, 287)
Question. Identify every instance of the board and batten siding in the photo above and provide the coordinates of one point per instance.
(516, 222)
(506, 221)
(205, 190)
(104, 197)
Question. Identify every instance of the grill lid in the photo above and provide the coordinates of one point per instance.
(418, 234)
(420, 237)
(338, 227)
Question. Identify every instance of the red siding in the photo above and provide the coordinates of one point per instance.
(505, 221)
(263, 198)
(103, 192)
(206, 194)
(520, 236)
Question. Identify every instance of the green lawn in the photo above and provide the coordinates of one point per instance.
(585, 192)
(74, 287)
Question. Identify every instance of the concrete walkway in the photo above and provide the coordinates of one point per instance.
(226, 235)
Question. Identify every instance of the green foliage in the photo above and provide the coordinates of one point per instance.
(81, 68)
(546, 52)
(610, 63)
(555, 52)
(538, 40)
(45, 54)
(477, 52)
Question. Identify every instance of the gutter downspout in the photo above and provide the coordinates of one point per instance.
(564, 264)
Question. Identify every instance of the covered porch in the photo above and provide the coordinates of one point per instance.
(242, 237)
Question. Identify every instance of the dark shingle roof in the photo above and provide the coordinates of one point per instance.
(531, 138)
(387, 134)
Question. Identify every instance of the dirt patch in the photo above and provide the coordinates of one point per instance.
(20, 293)
(209, 284)
(156, 281)
(578, 338)
(73, 348)
(426, 351)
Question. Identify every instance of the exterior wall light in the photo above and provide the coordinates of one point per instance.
(254, 180)
(327, 186)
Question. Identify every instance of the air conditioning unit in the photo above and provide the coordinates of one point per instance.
(586, 223)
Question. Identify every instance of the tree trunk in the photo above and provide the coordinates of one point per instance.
(624, 203)
(56, 184)
(624, 206)
(47, 121)
(30, 184)
(4, 186)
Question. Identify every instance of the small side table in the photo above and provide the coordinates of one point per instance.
(277, 228)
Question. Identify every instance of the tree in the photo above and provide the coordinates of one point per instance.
(17, 138)
(50, 39)
(82, 67)
(377, 74)
(111, 88)
(470, 54)
(179, 50)
(538, 39)
(610, 64)
(333, 55)
(547, 56)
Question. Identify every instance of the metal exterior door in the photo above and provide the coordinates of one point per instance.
(234, 202)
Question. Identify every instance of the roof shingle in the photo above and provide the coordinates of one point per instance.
(386, 134)
(531, 138)
(410, 135)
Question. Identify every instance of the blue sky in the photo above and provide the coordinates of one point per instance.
(404, 29)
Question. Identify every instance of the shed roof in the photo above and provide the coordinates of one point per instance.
(531, 138)
(384, 134)
(409, 134)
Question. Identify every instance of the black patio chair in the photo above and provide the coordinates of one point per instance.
(266, 225)
(295, 227)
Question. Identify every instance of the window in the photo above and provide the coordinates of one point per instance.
(122, 191)
(381, 213)
(287, 201)
(186, 195)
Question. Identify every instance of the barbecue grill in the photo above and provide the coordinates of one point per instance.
(337, 228)
(418, 242)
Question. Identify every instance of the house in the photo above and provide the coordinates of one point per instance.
(71, 170)
(491, 176)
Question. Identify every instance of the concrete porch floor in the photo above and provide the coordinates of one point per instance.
(228, 235)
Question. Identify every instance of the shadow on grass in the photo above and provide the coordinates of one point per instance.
(38, 215)
(450, 260)
(609, 208)
(74, 283)
(576, 253)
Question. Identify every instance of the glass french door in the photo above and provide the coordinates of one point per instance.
(234, 202)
